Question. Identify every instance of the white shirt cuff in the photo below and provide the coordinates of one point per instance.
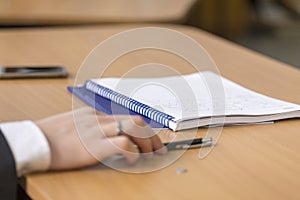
(29, 146)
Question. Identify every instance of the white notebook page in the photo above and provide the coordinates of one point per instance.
(189, 96)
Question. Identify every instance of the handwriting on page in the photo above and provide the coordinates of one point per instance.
(233, 105)
(195, 96)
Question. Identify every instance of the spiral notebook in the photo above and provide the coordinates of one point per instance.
(183, 102)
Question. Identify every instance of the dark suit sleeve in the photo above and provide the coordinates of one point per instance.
(8, 177)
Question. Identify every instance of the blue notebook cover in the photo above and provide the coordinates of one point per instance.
(105, 105)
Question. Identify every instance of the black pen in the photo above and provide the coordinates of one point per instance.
(189, 144)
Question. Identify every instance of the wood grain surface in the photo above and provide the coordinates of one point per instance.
(248, 162)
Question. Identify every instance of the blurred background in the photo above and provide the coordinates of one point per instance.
(271, 27)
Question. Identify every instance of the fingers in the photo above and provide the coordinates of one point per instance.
(145, 145)
(141, 134)
(117, 145)
(148, 145)
(134, 127)
(158, 146)
(77, 139)
(126, 148)
(104, 131)
(138, 120)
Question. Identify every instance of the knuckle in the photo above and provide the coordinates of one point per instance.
(123, 142)
(139, 120)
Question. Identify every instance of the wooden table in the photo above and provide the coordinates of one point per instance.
(249, 162)
(40, 12)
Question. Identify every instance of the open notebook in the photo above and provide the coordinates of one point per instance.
(183, 102)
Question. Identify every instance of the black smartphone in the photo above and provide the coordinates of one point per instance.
(32, 72)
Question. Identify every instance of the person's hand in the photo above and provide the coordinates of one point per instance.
(82, 138)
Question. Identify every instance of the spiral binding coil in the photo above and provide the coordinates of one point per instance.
(130, 103)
